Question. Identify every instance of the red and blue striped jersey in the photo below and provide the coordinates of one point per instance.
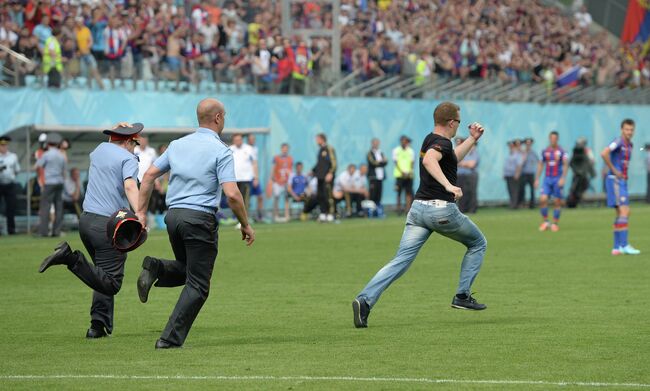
(554, 159)
(620, 153)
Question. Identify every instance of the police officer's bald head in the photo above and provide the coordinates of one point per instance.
(211, 114)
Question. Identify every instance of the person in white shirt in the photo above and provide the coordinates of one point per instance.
(351, 187)
(245, 161)
(376, 174)
(146, 156)
(583, 18)
(256, 191)
(9, 167)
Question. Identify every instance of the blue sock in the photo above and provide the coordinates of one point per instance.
(617, 239)
(544, 212)
(556, 215)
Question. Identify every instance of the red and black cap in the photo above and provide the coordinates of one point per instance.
(121, 133)
(124, 231)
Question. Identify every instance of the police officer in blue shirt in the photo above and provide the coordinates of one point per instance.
(9, 167)
(54, 166)
(528, 169)
(200, 164)
(112, 185)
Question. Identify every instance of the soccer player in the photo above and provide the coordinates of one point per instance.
(617, 158)
(556, 161)
(434, 210)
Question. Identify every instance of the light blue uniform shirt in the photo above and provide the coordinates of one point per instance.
(530, 163)
(54, 166)
(199, 163)
(472, 155)
(512, 162)
(110, 166)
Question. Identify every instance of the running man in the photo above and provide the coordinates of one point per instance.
(557, 162)
(617, 158)
(434, 210)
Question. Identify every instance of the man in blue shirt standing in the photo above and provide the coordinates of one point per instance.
(200, 164)
(617, 158)
(112, 185)
(54, 166)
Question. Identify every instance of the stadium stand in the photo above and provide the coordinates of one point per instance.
(506, 50)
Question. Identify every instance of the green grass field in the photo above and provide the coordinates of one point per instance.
(560, 310)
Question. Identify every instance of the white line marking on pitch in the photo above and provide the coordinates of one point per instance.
(329, 378)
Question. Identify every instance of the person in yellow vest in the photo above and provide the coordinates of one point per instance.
(422, 70)
(302, 65)
(404, 158)
(52, 62)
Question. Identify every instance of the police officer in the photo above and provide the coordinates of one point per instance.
(528, 169)
(112, 185)
(200, 164)
(9, 166)
(54, 166)
(468, 179)
(511, 172)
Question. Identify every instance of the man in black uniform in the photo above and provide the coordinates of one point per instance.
(324, 171)
(9, 167)
(112, 185)
(434, 210)
(376, 174)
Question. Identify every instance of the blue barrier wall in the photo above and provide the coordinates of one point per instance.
(350, 123)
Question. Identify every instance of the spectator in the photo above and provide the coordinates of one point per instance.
(583, 18)
(261, 67)
(256, 191)
(301, 68)
(53, 60)
(115, 40)
(9, 167)
(376, 174)
(282, 167)
(297, 184)
(43, 31)
(54, 167)
(73, 192)
(88, 65)
(146, 155)
(246, 171)
(97, 28)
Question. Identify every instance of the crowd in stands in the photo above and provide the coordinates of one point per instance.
(241, 42)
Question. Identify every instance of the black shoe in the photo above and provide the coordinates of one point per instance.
(148, 276)
(96, 330)
(468, 303)
(60, 256)
(361, 310)
(162, 344)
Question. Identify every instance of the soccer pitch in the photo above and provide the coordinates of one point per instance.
(562, 313)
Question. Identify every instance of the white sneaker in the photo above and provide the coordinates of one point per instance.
(322, 218)
(330, 218)
(629, 250)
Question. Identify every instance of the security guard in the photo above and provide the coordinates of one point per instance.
(53, 165)
(200, 164)
(9, 166)
(112, 185)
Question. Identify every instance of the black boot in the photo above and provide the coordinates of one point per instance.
(149, 275)
(96, 330)
(62, 255)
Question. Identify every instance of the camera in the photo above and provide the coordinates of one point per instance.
(2, 168)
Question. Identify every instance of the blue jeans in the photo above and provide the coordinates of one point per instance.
(421, 222)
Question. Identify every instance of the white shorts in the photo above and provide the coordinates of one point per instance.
(279, 190)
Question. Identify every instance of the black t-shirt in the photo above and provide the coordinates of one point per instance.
(429, 188)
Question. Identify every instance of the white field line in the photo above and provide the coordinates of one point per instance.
(329, 378)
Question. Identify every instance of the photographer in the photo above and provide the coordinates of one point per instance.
(9, 166)
(582, 165)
